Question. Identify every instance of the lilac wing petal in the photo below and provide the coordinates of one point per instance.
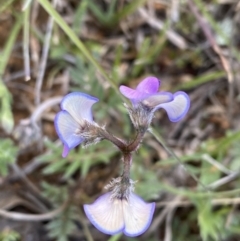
(66, 128)
(137, 215)
(149, 85)
(79, 106)
(177, 108)
(157, 99)
(106, 214)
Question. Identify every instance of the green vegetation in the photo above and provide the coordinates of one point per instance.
(190, 169)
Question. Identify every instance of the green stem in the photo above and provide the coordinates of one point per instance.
(196, 194)
(7, 49)
(5, 5)
(128, 9)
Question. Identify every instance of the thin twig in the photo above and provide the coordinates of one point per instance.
(30, 185)
(19, 172)
(36, 115)
(44, 57)
(187, 203)
(160, 218)
(174, 10)
(32, 165)
(172, 153)
(26, 43)
(209, 35)
(168, 228)
(224, 180)
(34, 43)
(33, 217)
(215, 163)
(175, 38)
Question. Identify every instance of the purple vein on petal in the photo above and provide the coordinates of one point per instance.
(66, 128)
(137, 215)
(79, 106)
(106, 214)
(177, 108)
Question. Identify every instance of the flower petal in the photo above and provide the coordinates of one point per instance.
(145, 88)
(66, 128)
(149, 85)
(134, 95)
(177, 108)
(106, 214)
(157, 99)
(79, 106)
(137, 215)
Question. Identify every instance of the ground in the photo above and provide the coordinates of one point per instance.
(189, 168)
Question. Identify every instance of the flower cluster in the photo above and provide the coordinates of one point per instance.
(146, 100)
(118, 210)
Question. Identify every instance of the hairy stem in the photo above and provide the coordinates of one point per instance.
(136, 142)
(127, 160)
(117, 142)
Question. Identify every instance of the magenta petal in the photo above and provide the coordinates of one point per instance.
(106, 214)
(134, 95)
(177, 108)
(149, 85)
(79, 106)
(137, 215)
(66, 128)
(146, 88)
(157, 99)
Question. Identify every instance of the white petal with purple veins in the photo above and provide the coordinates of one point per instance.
(177, 108)
(137, 215)
(157, 99)
(79, 106)
(66, 128)
(106, 214)
(149, 85)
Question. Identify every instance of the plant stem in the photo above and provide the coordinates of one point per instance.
(117, 142)
(135, 143)
(7, 49)
(127, 160)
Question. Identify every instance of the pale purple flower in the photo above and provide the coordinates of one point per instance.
(116, 212)
(146, 93)
(73, 120)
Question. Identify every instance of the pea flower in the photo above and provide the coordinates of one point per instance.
(74, 123)
(147, 96)
(120, 210)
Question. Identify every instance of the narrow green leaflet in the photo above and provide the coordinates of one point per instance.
(8, 154)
